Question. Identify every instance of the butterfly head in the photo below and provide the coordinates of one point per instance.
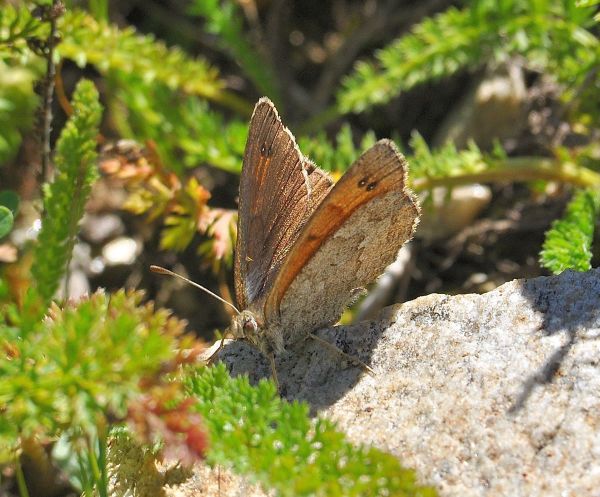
(245, 326)
(248, 325)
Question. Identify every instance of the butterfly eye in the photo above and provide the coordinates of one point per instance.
(250, 326)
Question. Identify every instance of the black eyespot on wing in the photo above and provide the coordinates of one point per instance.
(263, 150)
(362, 182)
(371, 186)
(270, 151)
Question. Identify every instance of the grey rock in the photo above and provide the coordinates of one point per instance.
(484, 395)
(493, 109)
(78, 286)
(98, 229)
(121, 251)
(493, 394)
(451, 212)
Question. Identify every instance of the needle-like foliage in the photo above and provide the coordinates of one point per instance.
(65, 197)
(275, 442)
(335, 158)
(83, 361)
(550, 34)
(87, 41)
(568, 243)
(75, 373)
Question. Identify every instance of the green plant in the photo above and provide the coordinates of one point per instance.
(568, 243)
(9, 206)
(253, 431)
(72, 371)
(65, 197)
(87, 41)
(186, 131)
(19, 32)
(17, 104)
(19, 68)
(88, 368)
(76, 372)
(223, 19)
(552, 35)
(335, 158)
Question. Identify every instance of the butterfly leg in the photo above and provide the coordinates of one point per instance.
(271, 357)
(214, 354)
(349, 357)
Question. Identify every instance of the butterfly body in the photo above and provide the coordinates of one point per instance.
(304, 245)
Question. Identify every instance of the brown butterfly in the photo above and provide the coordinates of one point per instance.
(305, 245)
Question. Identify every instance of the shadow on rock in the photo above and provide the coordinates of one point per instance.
(570, 304)
(310, 371)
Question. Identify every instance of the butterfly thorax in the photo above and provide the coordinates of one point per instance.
(249, 325)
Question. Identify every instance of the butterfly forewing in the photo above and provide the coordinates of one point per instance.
(355, 232)
(279, 189)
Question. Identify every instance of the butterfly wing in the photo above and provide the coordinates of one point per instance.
(279, 190)
(354, 233)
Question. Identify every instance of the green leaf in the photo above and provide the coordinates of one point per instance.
(6, 221)
(10, 199)
(568, 243)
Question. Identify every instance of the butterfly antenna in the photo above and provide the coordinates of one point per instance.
(162, 270)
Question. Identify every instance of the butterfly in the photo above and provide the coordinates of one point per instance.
(304, 244)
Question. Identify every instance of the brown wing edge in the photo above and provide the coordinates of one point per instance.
(238, 267)
(311, 240)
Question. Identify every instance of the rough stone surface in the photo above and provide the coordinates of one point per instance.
(207, 482)
(100, 228)
(493, 394)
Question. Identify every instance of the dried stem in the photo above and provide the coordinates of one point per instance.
(61, 96)
(54, 12)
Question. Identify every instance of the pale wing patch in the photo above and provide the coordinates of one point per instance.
(354, 256)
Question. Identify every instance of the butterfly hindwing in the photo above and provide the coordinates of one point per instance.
(355, 232)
